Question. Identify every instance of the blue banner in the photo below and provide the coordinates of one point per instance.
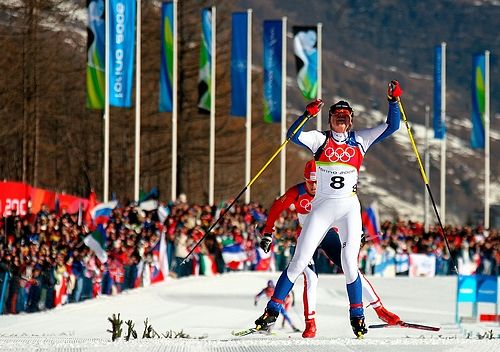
(439, 125)
(466, 289)
(167, 56)
(273, 62)
(122, 50)
(487, 289)
(205, 72)
(478, 100)
(239, 64)
(305, 47)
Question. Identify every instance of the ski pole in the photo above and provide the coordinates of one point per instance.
(308, 117)
(426, 181)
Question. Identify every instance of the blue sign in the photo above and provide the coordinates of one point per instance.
(487, 289)
(467, 289)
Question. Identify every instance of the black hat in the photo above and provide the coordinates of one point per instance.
(339, 106)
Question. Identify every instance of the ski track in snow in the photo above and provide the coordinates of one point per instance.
(211, 307)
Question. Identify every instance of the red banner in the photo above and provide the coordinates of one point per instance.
(20, 196)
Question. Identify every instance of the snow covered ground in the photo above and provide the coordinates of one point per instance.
(211, 307)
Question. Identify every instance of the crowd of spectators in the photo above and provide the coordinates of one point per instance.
(44, 262)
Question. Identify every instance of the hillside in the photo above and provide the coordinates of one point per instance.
(49, 139)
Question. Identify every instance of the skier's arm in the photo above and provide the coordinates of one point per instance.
(257, 297)
(311, 140)
(279, 205)
(371, 136)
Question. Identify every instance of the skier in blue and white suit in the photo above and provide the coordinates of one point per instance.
(339, 154)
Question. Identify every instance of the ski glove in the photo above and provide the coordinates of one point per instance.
(265, 242)
(313, 108)
(394, 91)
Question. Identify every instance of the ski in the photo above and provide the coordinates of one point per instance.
(245, 332)
(404, 324)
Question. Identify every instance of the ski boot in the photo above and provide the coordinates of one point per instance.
(266, 320)
(310, 330)
(386, 316)
(358, 326)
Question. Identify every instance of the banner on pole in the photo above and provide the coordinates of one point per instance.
(305, 47)
(478, 100)
(167, 56)
(122, 48)
(273, 62)
(95, 54)
(439, 125)
(205, 73)
(239, 64)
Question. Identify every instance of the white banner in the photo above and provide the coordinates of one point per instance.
(422, 265)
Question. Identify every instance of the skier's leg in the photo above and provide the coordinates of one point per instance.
(370, 295)
(310, 288)
(314, 229)
(332, 247)
(350, 231)
(288, 320)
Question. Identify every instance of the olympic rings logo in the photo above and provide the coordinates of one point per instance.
(306, 205)
(340, 154)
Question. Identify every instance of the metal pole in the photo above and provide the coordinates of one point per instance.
(248, 124)
(427, 169)
(443, 141)
(137, 161)
(106, 103)
(319, 95)
(173, 195)
(487, 140)
(283, 106)
(211, 176)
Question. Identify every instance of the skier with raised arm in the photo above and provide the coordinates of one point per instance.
(338, 153)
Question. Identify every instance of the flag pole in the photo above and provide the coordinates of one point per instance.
(319, 71)
(106, 102)
(248, 124)
(173, 187)
(137, 162)
(443, 141)
(487, 140)
(283, 106)
(211, 176)
(427, 169)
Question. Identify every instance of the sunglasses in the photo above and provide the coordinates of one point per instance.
(341, 112)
